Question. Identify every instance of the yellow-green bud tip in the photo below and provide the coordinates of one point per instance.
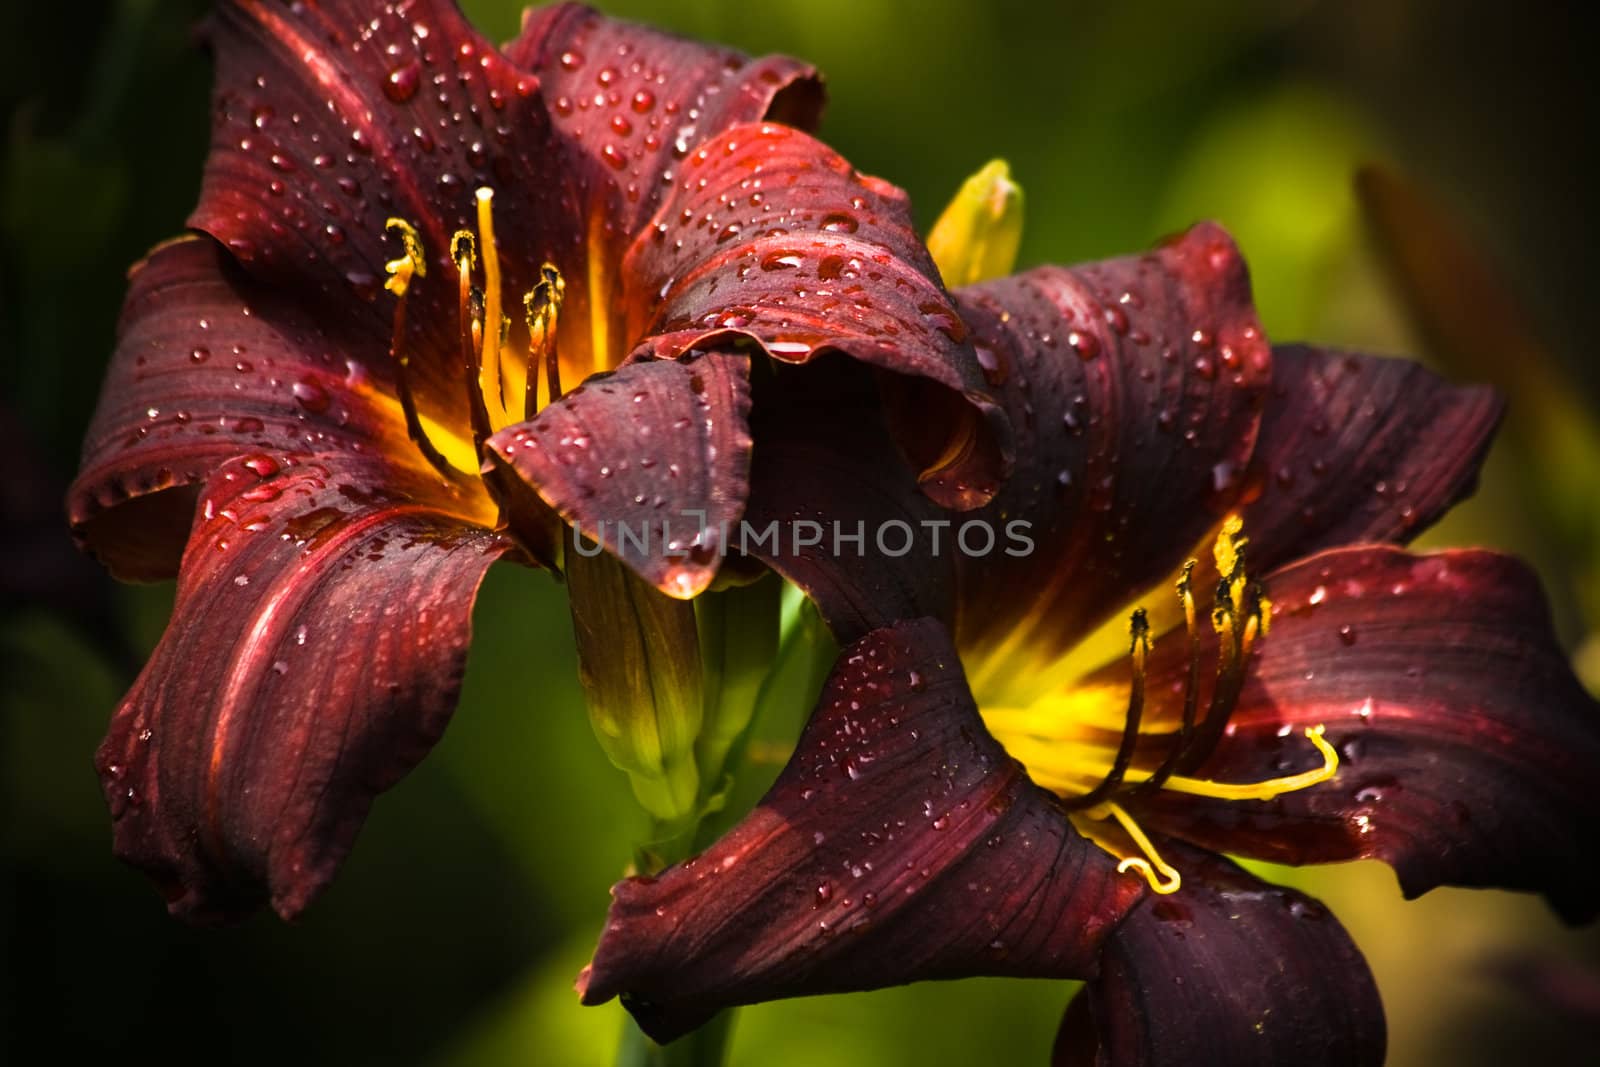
(979, 233)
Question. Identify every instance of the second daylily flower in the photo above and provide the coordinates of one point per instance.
(440, 298)
(1216, 645)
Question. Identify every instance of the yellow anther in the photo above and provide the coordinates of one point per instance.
(413, 264)
(1226, 548)
(464, 250)
(1264, 613)
(1162, 876)
(1269, 789)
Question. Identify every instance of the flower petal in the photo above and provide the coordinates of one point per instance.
(1228, 971)
(313, 657)
(630, 102)
(331, 117)
(1468, 749)
(900, 843)
(1358, 449)
(210, 366)
(834, 509)
(652, 461)
(1134, 387)
(770, 234)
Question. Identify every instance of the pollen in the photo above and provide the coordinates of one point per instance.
(412, 264)
(498, 391)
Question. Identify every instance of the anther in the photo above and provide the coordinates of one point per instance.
(542, 305)
(413, 264)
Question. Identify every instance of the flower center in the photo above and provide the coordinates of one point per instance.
(1093, 749)
(500, 390)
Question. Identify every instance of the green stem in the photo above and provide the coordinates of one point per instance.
(793, 677)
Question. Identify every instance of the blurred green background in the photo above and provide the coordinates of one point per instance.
(478, 887)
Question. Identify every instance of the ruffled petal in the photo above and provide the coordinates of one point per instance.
(210, 366)
(1467, 748)
(652, 462)
(1134, 387)
(769, 234)
(631, 102)
(314, 655)
(1359, 449)
(900, 843)
(328, 118)
(1231, 972)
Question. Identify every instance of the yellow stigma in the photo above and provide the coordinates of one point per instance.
(412, 263)
(1272, 787)
(1162, 876)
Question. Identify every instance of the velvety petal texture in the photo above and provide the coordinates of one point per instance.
(315, 654)
(1360, 449)
(1134, 387)
(900, 843)
(770, 234)
(826, 511)
(631, 102)
(1467, 748)
(328, 118)
(211, 365)
(652, 462)
(1231, 972)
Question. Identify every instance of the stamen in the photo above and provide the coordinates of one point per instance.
(414, 264)
(463, 249)
(1191, 688)
(1139, 650)
(542, 305)
(1270, 788)
(1150, 864)
(490, 379)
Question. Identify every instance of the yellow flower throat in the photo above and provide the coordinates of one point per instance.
(1092, 747)
(500, 391)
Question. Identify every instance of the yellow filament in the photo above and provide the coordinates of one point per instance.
(489, 380)
(1150, 864)
(414, 263)
(1272, 787)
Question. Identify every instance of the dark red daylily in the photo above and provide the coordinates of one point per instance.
(329, 467)
(1008, 802)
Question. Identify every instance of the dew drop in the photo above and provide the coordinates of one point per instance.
(402, 82)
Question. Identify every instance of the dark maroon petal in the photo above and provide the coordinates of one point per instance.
(1468, 750)
(1134, 387)
(210, 366)
(313, 657)
(834, 509)
(1228, 971)
(900, 843)
(1358, 449)
(652, 462)
(631, 102)
(768, 233)
(330, 117)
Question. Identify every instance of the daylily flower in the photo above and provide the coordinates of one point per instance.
(438, 298)
(1009, 801)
